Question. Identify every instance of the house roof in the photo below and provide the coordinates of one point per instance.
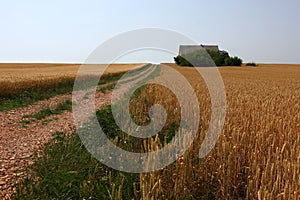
(186, 49)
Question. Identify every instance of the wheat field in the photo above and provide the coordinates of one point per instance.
(15, 79)
(14, 72)
(258, 153)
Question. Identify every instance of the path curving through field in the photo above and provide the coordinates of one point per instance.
(19, 143)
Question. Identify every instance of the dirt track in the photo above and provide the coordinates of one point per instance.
(19, 143)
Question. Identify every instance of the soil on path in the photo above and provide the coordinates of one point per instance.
(19, 142)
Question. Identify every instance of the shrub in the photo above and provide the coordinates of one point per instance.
(235, 61)
(179, 60)
(219, 57)
(251, 64)
(207, 58)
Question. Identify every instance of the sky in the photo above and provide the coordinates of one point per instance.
(67, 31)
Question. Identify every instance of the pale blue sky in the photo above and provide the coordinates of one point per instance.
(69, 30)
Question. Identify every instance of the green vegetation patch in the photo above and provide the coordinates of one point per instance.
(207, 58)
(68, 171)
(67, 105)
(252, 64)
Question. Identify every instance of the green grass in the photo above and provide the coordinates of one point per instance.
(67, 105)
(105, 88)
(26, 122)
(110, 78)
(68, 171)
(46, 122)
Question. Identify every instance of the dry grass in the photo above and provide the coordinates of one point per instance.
(258, 153)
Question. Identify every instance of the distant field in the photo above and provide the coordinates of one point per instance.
(25, 72)
(23, 84)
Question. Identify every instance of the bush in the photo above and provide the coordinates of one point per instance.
(251, 64)
(219, 57)
(235, 61)
(207, 58)
(179, 60)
